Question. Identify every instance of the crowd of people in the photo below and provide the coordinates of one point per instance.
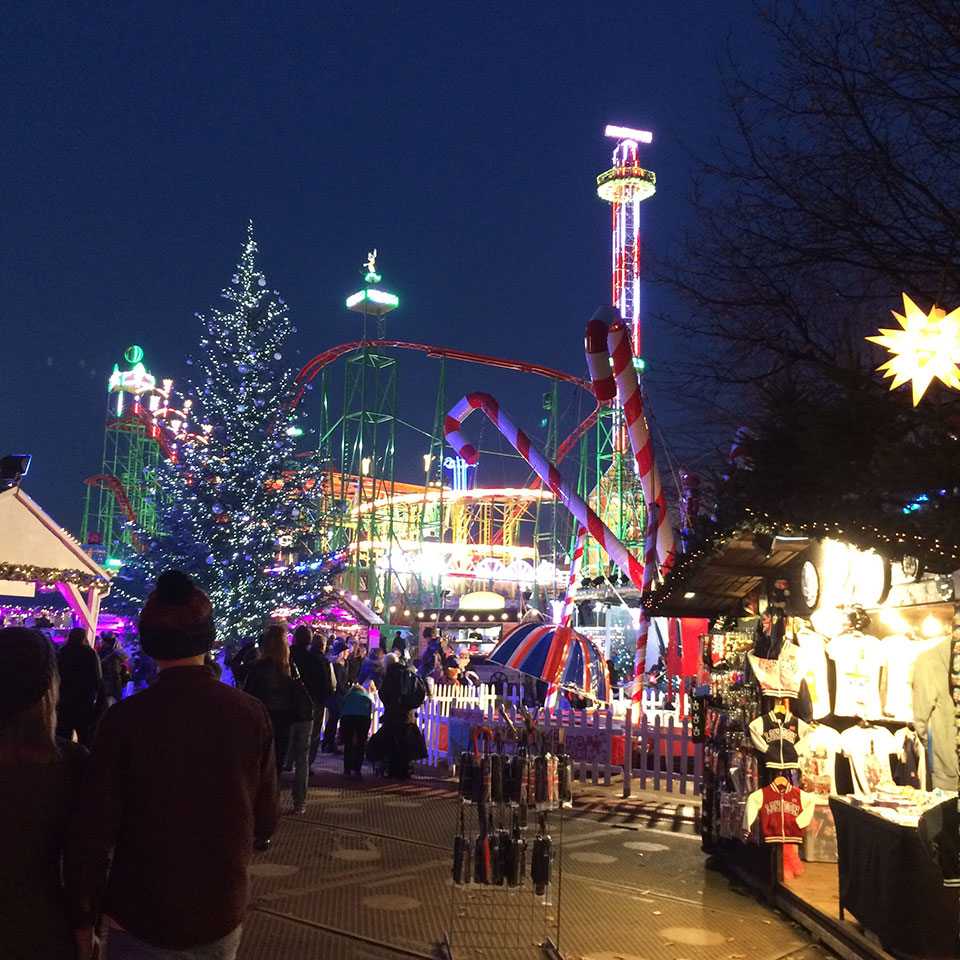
(132, 809)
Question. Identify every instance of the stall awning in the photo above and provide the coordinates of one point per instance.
(716, 585)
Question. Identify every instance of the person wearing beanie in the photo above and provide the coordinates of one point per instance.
(337, 657)
(180, 785)
(38, 780)
(80, 675)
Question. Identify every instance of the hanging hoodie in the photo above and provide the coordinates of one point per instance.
(780, 677)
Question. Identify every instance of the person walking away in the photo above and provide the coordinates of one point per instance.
(115, 666)
(355, 713)
(336, 657)
(271, 681)
(372, 668)
(399, 646)
(79, 669)
(317, 677)
(402, 742)
(239, 662)
(180, 784)
(356, 653)
(39, 775)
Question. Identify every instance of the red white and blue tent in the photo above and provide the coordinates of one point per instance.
(558, 655)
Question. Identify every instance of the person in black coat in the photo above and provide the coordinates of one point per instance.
(80, 676)
(399, 645)
(317, 677)
(39, 775)
(337, 655)
(401, 739)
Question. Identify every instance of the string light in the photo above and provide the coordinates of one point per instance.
(234, 514)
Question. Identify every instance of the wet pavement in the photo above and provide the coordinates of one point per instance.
(365, 872)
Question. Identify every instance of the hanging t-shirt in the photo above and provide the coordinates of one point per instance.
(778, 737)
(868, 750)
(784, 812)
(817, 753)
(812, 658)
(857, 657)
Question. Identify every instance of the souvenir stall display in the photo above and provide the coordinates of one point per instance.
(513, 787)
(833, 750)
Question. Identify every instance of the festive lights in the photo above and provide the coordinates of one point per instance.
(926, 346)
(233, 511)
(625, 186)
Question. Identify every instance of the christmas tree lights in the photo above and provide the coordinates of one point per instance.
(236, 511)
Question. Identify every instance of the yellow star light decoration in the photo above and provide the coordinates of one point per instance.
(927, 346)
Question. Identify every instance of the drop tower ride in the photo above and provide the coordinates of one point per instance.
(625, 186)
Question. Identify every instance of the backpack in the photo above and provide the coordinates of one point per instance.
(413, 691)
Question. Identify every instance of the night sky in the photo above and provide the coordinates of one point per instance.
(462, 140)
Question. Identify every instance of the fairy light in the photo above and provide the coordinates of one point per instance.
(230, 514)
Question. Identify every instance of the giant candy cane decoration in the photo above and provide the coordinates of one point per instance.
(650, 562)
(547, 472)
(628, 392)
(566, 614)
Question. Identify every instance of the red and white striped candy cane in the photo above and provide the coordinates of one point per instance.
(650, 562)
(598, 361)
(628, 390)
(547, 472)
(566, 614)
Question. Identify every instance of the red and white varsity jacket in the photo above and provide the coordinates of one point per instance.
(784, 812)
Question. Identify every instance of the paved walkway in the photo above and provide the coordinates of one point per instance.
(366, 873)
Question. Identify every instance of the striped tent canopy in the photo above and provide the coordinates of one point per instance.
(558, 655)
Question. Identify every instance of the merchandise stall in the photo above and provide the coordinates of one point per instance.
(830, 737)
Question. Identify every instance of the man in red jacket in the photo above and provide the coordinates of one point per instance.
(180, 785)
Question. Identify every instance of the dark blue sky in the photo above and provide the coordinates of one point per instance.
(462, 140)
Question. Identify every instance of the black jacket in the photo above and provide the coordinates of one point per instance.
(79, 668)
(314, 672)
(271, 686)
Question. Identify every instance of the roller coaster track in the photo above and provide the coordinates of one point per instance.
(314, 366)
(119, 491)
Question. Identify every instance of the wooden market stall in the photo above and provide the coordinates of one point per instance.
(34, 549)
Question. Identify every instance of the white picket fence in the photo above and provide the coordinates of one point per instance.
(663, 755)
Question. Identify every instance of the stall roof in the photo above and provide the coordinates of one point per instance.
(715, 585)
(35, 548)
(361, 611)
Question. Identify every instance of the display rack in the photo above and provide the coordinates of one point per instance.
(506, 874)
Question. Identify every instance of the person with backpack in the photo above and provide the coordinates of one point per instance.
(401, 742)
(115, 667)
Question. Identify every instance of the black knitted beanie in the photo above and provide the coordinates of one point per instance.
(177, 619)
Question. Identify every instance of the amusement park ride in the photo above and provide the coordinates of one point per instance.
(425, 542)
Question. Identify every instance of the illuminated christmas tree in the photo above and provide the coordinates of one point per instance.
(236, 505)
